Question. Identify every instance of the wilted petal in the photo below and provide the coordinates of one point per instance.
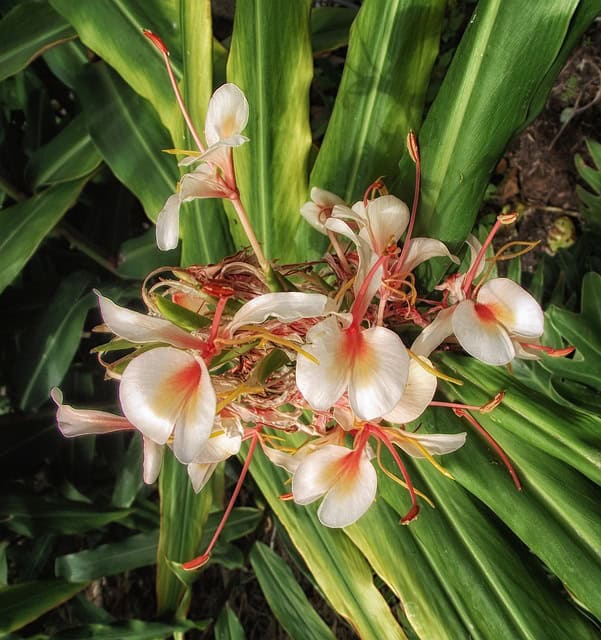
(387, 219)
(200, 473)
(282, 459)
(422, 249)
(418, 393)
(153, 458)
(478, 332)
(286, 306)
(156, 388)
(322, 384)
(79, 422)
(434, 443)
(203, 182)
(227, 114)
(513, 307)
(378, 371)
(140, 328)
(167, 229)
(434, 334)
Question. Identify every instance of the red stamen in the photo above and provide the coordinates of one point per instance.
(286, 497)
(380, 435)
(550, 351)
(209, 348)
(201, 560)
(358, 309)
(493, 443)
(373, 187)
(413, 148)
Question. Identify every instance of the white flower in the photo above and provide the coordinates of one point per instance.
(319, 209)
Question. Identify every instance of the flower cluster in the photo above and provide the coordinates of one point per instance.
(227, 353)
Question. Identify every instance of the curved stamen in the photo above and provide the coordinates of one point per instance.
(413, 148)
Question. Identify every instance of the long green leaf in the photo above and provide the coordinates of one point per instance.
(130, 137)
(68, 156)
(26, 32)
(204, 227)
(53, 341)
(23, 603)
(130, 630)
(23, 226)
(330, 27)
(183, 516)
(108, 559)
(337, 565)
(285, 596)
(113, 29)
(381, 96)
(477, 110)
(272, 167)
(228, 626)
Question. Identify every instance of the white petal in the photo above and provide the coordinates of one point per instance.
(322, 384)
(351, 496)
(201, 183)
(475, 245)
(195, 422)
(434, 334)
(481, 335)
(79, 422)
(200, 474)
(357, 213)
(154, 389)
(419, 391)
(167, 229)
(378, 372)
(286, 306)
(153, 458)
(219, 447)
(513, 307)
(227, 114)
(325, 198)
(422, 249)
(387, 218)
(313, 214)
(140, 328)
(317, 473)
(281, 459)
(434, 443)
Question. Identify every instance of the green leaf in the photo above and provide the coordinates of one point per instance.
(129, 136)
(338, 567)
(53, 341)
(24, 603)
(392, 48)
(179, 315)
(108, 559)
(26, 31)
(131, 630)
(32, 515)
(68, 156)
(228, 626)
(67, 61)
(23, 226)
(285, 596)
(330, 28)
(272, 167)
(242, 522)
(475, 115)
(129, 476)
(581, 330)
(183, 516)
(139, 256)
(113, 29)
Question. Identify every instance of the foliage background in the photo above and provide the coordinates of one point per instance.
(86, 109)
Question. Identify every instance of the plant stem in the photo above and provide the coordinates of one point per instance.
(11, 190)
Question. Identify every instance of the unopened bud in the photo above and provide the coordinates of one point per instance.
(412, 146)
(507, 218)
(156, 41)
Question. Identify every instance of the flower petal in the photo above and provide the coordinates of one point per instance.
(194, 424)
(324, 383)
(79, 422)
(513, 307)
(351, 496)
(227, 114)
(153, 459)
(141, 328)
(480, 334)
(167, 229)
(387, 218)
(155, 388)
(434, 443)
(435, 333)
(317, 473)
(419, 391)
(203, 182)
(286, 306)
(220, 446)
(200, 474)
(378, 373)
(422, 249)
